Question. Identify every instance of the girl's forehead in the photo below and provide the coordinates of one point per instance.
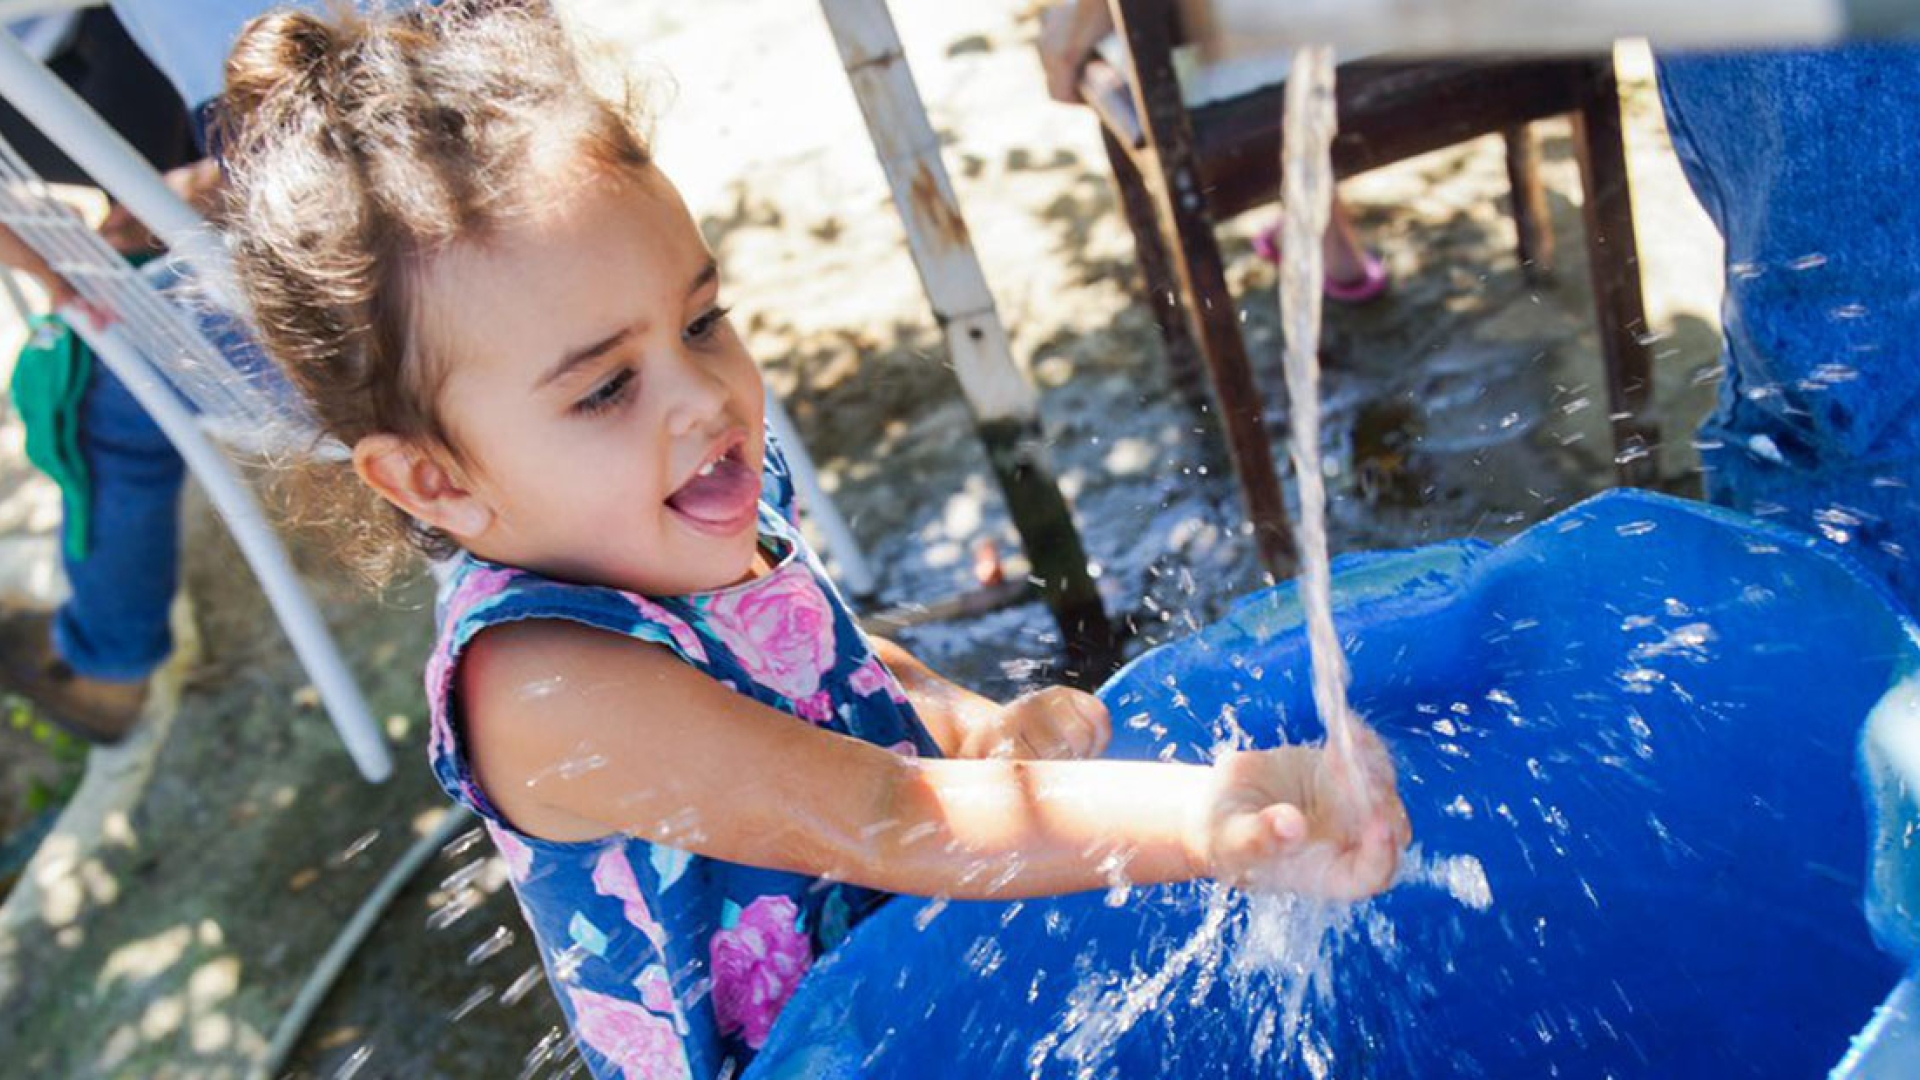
(604, 256)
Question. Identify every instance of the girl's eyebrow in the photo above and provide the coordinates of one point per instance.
(584, 355)
(709, 273)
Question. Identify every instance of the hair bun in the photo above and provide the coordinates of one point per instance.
(283, 51)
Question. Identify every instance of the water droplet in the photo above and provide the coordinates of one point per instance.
(480, 996)
(463, 843)
(356, 1061)
(521, 986)
(493, 945)
(929, 912)
(352, 850)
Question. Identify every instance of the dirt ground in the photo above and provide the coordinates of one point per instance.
(172, 943)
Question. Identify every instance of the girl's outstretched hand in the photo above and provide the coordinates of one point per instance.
(1291, 820)
(1058, 722)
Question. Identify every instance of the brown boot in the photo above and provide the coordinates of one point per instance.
(101, 711)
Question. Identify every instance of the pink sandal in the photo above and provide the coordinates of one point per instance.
(1371, 285)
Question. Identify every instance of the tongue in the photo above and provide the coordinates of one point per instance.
(722, 496)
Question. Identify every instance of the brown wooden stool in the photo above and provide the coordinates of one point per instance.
(1180, 169)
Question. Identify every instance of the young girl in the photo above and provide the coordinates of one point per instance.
(698, 770)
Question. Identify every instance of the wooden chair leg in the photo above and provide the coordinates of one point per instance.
(1531, 219)
(1170, 167)
(1613, 257)
(1237, 398)
(1160, 285)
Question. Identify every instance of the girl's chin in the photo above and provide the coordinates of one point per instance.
(731, 560)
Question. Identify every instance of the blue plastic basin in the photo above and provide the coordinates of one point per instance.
(1640, 717)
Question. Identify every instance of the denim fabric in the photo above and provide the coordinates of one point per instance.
(114, 625)
(1808, 163)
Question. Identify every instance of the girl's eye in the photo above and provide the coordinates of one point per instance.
(609, 394)
(707, 324)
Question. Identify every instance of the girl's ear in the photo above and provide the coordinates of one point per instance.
(410, 478)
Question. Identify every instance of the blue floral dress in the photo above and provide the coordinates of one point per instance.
(670, 964)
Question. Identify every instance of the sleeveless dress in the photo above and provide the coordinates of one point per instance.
(669, 964)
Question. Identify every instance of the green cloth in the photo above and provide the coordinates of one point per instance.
(49, 383)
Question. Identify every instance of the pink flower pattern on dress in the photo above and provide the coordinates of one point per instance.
(613, 876)
(872, 677)
(757, 965)
(677, 628)
(817, 707)
(656, 992)
(515, 853)
(780, 628)
(641, 1045)
(479, 583)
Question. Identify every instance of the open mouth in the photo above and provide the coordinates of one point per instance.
(723, 496)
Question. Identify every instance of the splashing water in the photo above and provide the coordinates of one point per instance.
(1278, 951)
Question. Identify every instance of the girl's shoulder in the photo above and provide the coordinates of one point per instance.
(478, 596)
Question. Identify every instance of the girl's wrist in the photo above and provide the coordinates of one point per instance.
(1196, 838)
(980, 729)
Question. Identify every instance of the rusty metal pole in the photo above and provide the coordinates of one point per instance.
(1004, 404)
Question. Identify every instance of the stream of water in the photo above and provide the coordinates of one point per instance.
(1306, 194)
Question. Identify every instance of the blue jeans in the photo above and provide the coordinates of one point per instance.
(114, 626)
(1807, 162)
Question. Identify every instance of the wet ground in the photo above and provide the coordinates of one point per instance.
(1469, 403)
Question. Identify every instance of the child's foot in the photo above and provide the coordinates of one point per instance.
(1368, 283)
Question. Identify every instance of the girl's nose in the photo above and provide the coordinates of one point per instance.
(699, 397)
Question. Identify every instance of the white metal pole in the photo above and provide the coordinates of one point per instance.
(10, 10)
(854, 572)
(79, 132)
(338, 691)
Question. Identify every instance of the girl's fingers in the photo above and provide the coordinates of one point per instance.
(1286, 824)
(1084, 738)
(1085, 722)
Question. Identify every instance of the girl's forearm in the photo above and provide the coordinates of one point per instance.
(1011, 829)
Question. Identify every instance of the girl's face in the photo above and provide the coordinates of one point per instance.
(609, 417)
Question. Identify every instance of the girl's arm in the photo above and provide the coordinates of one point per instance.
(576, 733)
(1057, 722)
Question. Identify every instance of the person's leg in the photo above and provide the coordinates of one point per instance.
(85, 666)
(1340, 247)
(1354, 275)
(114, 626)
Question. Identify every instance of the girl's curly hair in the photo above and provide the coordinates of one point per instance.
(359, 147)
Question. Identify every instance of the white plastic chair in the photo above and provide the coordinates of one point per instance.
(177, 375)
